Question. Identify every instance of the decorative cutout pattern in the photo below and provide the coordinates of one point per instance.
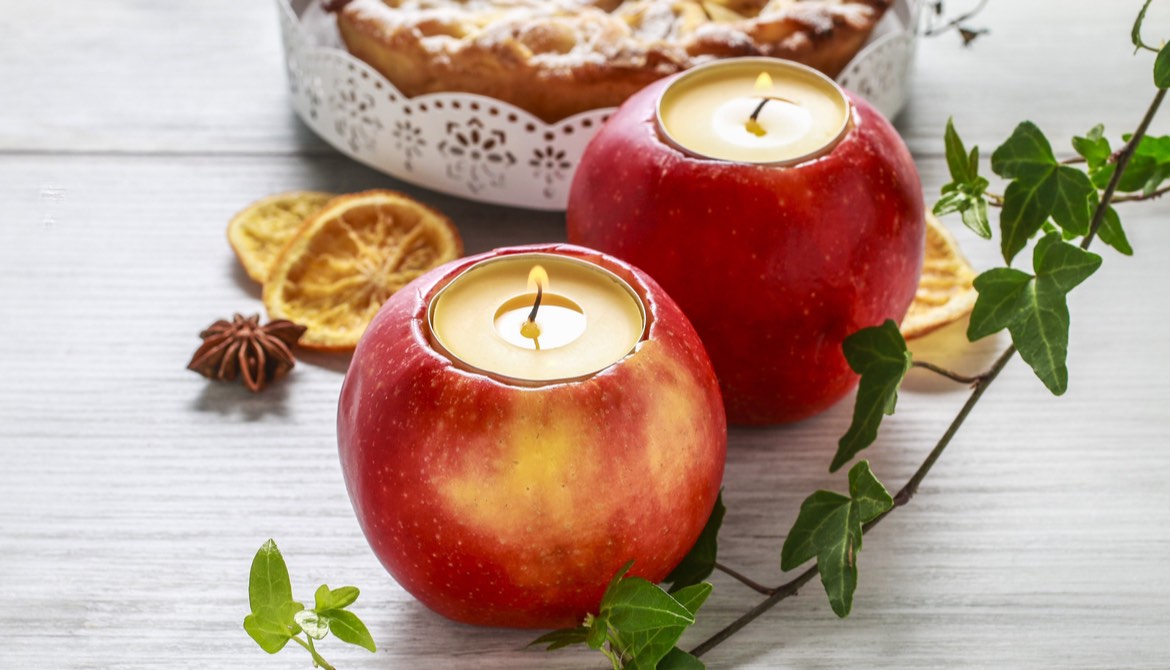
(468, 145)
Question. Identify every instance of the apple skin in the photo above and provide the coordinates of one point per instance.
(775, 266)
(505, 505)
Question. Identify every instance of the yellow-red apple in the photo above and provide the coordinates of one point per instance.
(511, 505)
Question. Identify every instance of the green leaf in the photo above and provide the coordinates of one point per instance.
(564, 637)
(1026, 205)
(957, 158)
(1113, 234)
(597, 633)
(1062, 264)
(314, 625)
(699, 562)
(1040, 332)
(646, 620)
(288, 616)
(880, 356)
(952, 201)
(269, 589)
(975, 218)
(829, 529)
(1136, 33)
(330, 599)
(1000, 291)
(1162, 68)
(635, 604)
(1025, 155)
(1074, 190)
(270, 635)
(693, 597)
(869, 495)
(617, 578)
(677, 659)
(1093, 147)
(1034, 309)
(349, 628)
(1140, 171)
(822, 517)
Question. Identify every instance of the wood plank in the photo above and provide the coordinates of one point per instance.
(136, 493)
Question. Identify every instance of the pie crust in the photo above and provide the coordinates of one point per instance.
(556, 58)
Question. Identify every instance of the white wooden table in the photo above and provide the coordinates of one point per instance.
(133, 493)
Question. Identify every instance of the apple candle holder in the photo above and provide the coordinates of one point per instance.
(503, 482)
(781, 211)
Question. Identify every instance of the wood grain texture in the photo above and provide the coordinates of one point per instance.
(133, 493)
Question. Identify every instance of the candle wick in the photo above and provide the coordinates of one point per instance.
(759, 108)
(536, 305)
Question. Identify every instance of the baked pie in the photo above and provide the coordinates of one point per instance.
(556, 58)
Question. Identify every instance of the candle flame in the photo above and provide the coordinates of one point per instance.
(537, 277)
(764, 82)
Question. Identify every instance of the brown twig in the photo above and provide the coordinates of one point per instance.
(744, 579)
(953, 376)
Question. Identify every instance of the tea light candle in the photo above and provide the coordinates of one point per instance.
(537, 317)
(754, 110)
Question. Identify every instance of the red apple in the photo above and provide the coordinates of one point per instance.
(775, 266)
(506, 505)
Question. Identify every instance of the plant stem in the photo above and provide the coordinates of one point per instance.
(953, 376)
(1122, 162)
(1143, 196)
(744, 579)
(901, 498)
(317, 660)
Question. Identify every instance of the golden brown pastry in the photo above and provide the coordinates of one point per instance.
(556, 58)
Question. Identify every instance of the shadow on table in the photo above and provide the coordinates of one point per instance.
(232, 399)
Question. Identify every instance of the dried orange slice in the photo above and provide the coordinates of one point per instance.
(260, 230)
(348, 258)
(945, 293)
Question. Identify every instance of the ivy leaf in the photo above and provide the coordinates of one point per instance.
(829, 528)
(564, 637)
(1074, 190)
(1136, 33)
(328, 599)
(880, 356)
(962, 169)
(975, 218)
(1034, 308)
(692, 597)
(636, 605)
(1000, 291)
(349, 628)
(1093, 147)
(270, 635)
(966, 193)
(869, 495)
(677, 659)
(1113, 234)
(1025, 155)
(1041, 188)
(699, 562)
(646, 620)
(269, 589)
(1162, 68)
(597, 632)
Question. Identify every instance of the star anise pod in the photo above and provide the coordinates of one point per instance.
(243, 348)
